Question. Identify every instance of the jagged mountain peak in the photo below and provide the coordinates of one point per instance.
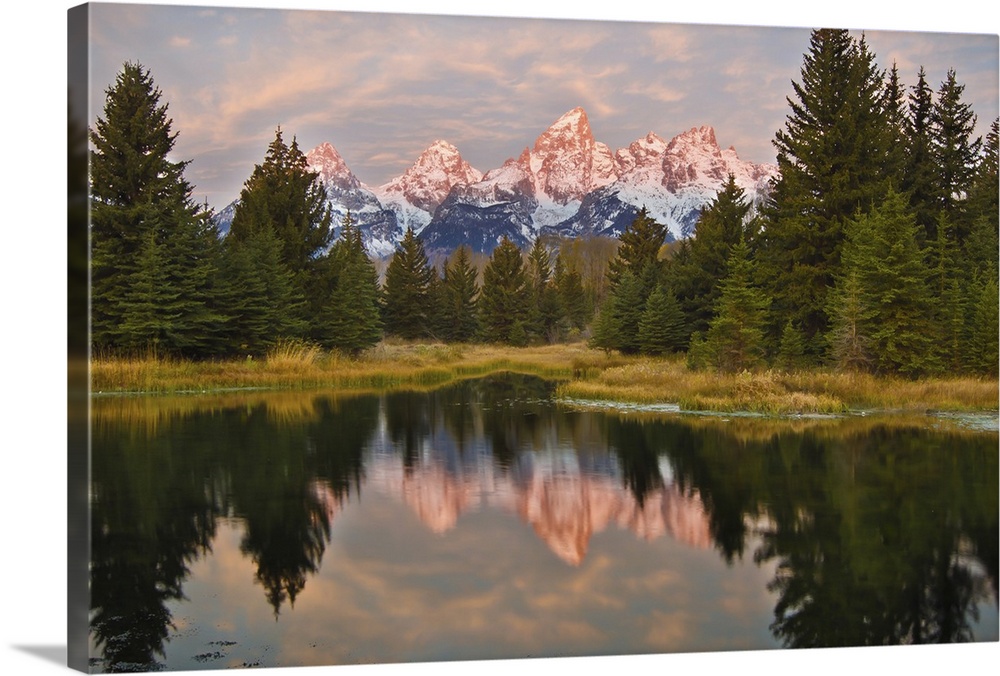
(565, 183)
(325, 160)
(416, 195)
(566, 161)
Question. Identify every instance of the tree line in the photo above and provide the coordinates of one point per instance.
(876, 249)
(164, 280)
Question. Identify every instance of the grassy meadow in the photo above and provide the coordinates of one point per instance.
(583, 374)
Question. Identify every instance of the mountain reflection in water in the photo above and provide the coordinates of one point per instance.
(664, 534)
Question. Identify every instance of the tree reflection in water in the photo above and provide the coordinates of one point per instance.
(878, 533)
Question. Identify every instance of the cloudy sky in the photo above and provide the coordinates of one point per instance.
(382, 86)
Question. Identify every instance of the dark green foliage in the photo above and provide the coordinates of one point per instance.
(792, 349)
(947, 282)
(954, 150)
(546, 313)
(406, 296)
(662, 327)
(735, 337)
(850, 316)
(885, 263)
(142, 215)
(263, 301)
(617, 325)
(920, 173)
(983, 209)
(895, 109)
(282, 194)
(572, 296)
(504, 301)
(984, 342)
(632, 276)
(832, 156)
(460, 291)
(696, 273)
(348, 318)
(638, 250)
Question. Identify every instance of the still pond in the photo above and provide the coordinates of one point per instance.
(488, 520)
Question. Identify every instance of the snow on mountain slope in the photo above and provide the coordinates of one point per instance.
(566, 183)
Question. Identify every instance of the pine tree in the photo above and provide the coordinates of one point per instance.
(617, 325)
(895, 110)
(982, 250)
(406, 296)
(142, 214)
(735, 337)
(698, 273)
(984, 343)
(546, 313)
(920, 174)
(151, 312)
(572, 296)
(832, 158)
(662, 327)
(887, 266)
(947, 284)
(792, 349)
(460, 292)
(638, 250)
(263, 301)
(632, 276)
(283, 194)
(505, 296)
(347, 316)
(849, 343)
(955, 151)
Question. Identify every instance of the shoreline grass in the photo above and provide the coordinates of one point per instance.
(584, 374)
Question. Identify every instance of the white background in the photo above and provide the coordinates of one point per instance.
(33, 309)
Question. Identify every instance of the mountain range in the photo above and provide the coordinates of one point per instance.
(567, 184)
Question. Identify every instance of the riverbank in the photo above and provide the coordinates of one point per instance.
(584, 374)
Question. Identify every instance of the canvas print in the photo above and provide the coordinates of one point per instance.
(411, 338)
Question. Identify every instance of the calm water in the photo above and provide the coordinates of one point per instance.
(485, 520)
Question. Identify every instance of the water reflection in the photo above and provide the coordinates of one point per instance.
(869, 532)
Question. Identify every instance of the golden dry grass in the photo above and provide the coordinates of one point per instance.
(585, 374)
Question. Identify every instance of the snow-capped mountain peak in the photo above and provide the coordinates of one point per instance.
(566, 183)
(325, 160)
(429, 180)
(567, 162)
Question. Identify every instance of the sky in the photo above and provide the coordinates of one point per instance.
(382, 86)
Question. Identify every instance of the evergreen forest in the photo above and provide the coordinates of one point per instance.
(876, 250)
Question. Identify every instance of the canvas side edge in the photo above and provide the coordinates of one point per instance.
(78, 341)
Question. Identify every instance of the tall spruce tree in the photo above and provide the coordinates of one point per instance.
(662, 327)
(617, 324)
(347, 316)
(263, 301)
(407, 292)
(920, 174)
(735, 337)
(698, 272)
(633, 274)
(284, 195)
(832, 158)
(546, 313)
(572, 296)
(982, 250)
(142, 215)
(955, 152)
(460, 291)
(505, 296)
(885, 263)
(984, 342)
